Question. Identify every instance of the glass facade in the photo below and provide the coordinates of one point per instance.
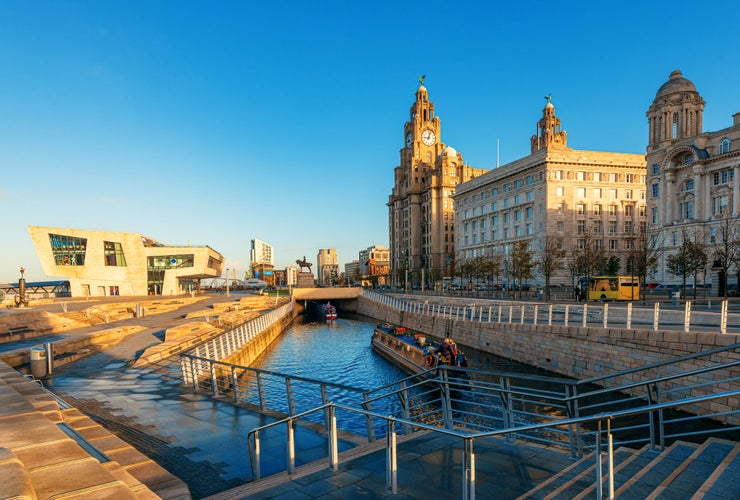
(68, 250)
(113, 254)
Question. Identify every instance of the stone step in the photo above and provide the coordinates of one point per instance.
(585, 480)
(694, 471)
(649, 478)
(554, 483)
(623, 471)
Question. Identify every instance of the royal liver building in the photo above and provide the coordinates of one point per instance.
(692, 184)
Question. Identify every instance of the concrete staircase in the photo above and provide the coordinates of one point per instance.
(683, 470)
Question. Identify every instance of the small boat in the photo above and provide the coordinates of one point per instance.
(328, 311)
(411, 351)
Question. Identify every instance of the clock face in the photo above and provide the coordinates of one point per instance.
(428, 137)
(409, 139)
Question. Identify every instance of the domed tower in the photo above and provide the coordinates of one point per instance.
(548, 130)
(675, 114)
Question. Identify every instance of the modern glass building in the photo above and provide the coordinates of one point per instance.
(102, 263)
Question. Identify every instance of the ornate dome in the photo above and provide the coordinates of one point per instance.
(449, 151)
(676, 83)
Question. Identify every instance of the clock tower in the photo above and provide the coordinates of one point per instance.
(420, 209)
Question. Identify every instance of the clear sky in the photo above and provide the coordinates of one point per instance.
(219, 122)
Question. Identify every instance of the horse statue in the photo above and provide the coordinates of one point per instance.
(303, 263)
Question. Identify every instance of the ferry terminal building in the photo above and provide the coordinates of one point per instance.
(104, 263)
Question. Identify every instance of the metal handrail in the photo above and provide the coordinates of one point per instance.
(468, 486)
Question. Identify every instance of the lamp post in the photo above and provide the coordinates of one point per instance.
(227, 281)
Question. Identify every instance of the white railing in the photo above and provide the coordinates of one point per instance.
(229, 342)
(604, 315)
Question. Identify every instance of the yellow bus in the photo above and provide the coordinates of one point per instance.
(610, 287)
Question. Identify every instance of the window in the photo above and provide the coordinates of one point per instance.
(506, 188)
(517, 184)
(597, 193)
(656, 190)
(528, 212)
(628, 226)
(494, 220)
(493, 206)
(506, 202)
(674, 127)
(628, 194)
(629, 210)
(560, 226)
(580, 209)
(559, 174)
(68, 250)
(581, 192)
(613, 193)
(516, 200)
(656, 169)
(529, 195)
(597, 209)
(494, 191)
(713, 235)
(517, 231)
(689, 158)
(687, 209)
(612, 210)
(581, 226)
(723, 177)
(598, 227)
(719, 204)
(529, 180)
(641, 210)
(113, 254)
(629, 244)
(597, 176)
(655, 215)
(724, 146)
(559, 191)
(517, 215)
(580, 176)
(581, 244)
(675, 238)
(628, 178)
(612, 227)
(506, 218)
(688, 185)
(613, 244)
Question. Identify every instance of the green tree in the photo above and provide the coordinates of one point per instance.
(726, 250)
(644, 253)
(688, 261)
(522, 264)
(550, 259)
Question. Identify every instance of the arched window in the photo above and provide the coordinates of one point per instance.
(724, 146)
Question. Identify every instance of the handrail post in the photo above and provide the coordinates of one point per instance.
(687, 316)
(256, 468)
(723, 318)
(584, 311)
(610, 448)
(391, 468)
(566, 315)
(511, 313)
(468, 486)
(235, 383)
(656, 316)
(290, 446)
(597, 454)
(629, 315)
(521, 320)
(214, 382)
(606, 314)
(333, 450)
(549, 315)
(536, 312)
(368, 417)
(324, 401)
(289, 393)
(261, 392)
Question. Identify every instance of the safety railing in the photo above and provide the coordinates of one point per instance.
(605, 315)
(600, 422)
(195, 365)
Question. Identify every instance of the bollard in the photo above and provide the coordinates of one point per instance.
(38, 362)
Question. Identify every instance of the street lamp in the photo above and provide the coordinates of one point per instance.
(227, 281)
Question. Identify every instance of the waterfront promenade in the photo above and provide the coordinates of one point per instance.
(203, 441)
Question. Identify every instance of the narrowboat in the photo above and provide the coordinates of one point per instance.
(328, 311)
(408, 350)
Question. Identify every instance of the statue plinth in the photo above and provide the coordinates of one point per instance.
(304, 280)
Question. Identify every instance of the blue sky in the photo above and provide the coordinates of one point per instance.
(219, 122)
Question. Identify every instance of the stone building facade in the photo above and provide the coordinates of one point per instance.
(421, 216)
(693, 181)
(573, 197)
(327, 267)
